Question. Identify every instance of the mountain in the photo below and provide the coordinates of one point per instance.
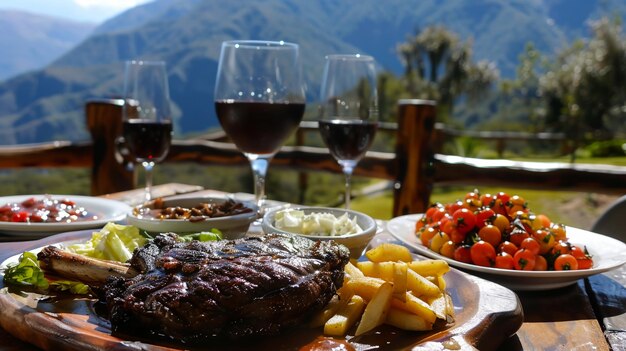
(33, 41)
(48, 104)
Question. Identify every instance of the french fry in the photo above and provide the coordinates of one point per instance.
(406, 320)
(416, 306)
(400, 272)
(429, 267)
(366, 287)
(339, 301)
(376, 310)
(353, 271)
(441, 283)
(389, 252)
(382, 270)
(421, 286)
(345, 318)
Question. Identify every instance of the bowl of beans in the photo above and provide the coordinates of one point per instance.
(195, 215)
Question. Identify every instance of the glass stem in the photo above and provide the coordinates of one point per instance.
(148, 166)
(347, 171)
(259, 170)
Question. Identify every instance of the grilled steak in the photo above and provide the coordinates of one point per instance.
(252, 286)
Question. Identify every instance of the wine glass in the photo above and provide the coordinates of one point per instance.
(349, 110)
(147, 119)
(259, 100)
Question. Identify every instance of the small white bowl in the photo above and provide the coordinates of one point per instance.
(356, 243)
(232, 227)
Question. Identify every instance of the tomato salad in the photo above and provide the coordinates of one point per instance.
(500, 231)
(44, 210)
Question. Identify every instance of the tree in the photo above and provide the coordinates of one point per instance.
(584, 92)
(438, 66)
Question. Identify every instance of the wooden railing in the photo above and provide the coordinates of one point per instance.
(414, 167)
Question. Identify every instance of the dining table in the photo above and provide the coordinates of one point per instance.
(587, 315)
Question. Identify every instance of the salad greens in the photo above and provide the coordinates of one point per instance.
(113, 242)
(27, 272)
(213, 235)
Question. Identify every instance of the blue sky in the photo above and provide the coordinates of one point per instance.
(95, 11)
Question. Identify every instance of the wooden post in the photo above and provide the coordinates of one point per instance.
(414, 155)
(108, 173)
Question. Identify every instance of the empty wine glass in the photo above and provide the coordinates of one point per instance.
(147, 124)
(259, 100)
(349, 110)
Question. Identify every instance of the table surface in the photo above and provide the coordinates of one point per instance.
(589, 315)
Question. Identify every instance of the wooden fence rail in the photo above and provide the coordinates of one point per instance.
(413, 167)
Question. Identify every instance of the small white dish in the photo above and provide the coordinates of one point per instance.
(106, 211)
(232, 227)
(356, 243)
(608, 253)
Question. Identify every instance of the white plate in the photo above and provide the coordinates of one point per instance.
(108, 211)
(608, 253)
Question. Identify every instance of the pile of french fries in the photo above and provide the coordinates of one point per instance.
(391, 288)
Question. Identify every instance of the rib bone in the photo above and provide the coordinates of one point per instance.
(91, 271)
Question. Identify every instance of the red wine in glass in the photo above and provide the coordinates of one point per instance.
(348, 140)
(147, 140)
(259, 127)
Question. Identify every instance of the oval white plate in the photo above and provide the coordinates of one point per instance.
(608, 253)
(109, 211)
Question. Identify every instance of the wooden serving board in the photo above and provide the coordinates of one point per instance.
(486, 314)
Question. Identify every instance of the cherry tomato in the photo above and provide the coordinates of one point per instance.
(438, 240)
(473, 195)
(545, 239)
(420, 224)
(541, 264)
(453, 206)
(487, 200)
(426, 234)
(517, 236)
(464, 220)
(517, 200)
(566, 262)
(431, 211)
(559, 231)
(484, 216)
(448, 248)
(504, 261)
(457, 237)
(438, 214)
(524, 260)
(472, 204)
(561, 248)
(508, 247)
(582, 256)
(541, 221)
(531, 245)
(463, 254)
(483, 254)
(499, 207)
(28, 203)
(501, 222)
(19, 217)
(446, 224)
(491, 234)
(502, 196)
